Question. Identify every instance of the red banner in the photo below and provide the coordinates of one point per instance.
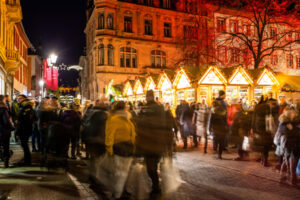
(45, 67)
(54, 79)
(49, 78)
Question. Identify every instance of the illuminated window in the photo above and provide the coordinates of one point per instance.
(289, 61)
(110, 21)
(101, 54)
(158, 59)
(247, 29)
(167, 30)
(128, 57)
(128, 24)
(167, 4)
(234, 55)
(101, 21)
(110, 54)
(233, 26)
(148, 27)
(274, 59)
(221, 25)
(298, 62)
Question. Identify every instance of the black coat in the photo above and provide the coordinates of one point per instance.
(45, 118)
(154, 130)
(71, 120)
(6, 126)
(217, 123)
(259, 118)
(25, 119)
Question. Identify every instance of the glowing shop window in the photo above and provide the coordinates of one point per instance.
(151, 86)
(231, 92)
(211, 78)
(140, 90)
(239, 79)
(166, 85)
(266, 80)
(183, 82)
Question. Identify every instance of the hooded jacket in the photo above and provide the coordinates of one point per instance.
(25, 118)
(119, 128)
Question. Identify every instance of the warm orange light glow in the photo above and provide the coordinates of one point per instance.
(212, 77)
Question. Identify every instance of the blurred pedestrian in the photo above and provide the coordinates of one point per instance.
(24, 126)
(188, 129)
(154, 138)
(6, 126)
(217, 123)
(201, 120)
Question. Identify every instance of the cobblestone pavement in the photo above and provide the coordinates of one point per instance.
(204, 178)
(208, 178)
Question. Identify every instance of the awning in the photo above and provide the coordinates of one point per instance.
(289, 83)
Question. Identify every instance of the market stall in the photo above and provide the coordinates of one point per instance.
(239, 85)
(266, 82)
(183, 87)
(138, 89)
(165, 87)
(151, 84)
(210, 84)
(128, 91)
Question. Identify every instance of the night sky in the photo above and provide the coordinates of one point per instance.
(57, 26)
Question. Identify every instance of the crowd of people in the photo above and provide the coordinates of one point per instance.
(120, 130)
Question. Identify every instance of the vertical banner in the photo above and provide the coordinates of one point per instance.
(45, 67)
(49, 78)
(54, 79)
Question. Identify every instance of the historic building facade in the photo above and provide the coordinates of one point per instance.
(22, 78)
(130, 38)
(10, 12)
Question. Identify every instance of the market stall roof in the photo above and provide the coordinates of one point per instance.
(150, 83)
(182, 80)
(170, 73)
(264, 76)
(118, 89)
(164, 82)
(288, 82)
(128, 91)
(139, 85)
(212, 76)
(240, 76)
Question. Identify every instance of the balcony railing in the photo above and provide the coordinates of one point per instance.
(12, 55)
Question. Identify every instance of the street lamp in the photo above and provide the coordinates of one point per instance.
(52, 59)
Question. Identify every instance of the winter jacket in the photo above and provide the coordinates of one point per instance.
(288, 140)
(45, 118)
(154, 130)
(201, 120)
(71, 120)
(6, 125)
(231, 112)
(93, 133)
(119, 129)
(25, 119)
(186, 120)
(217, 123)
(259, 118)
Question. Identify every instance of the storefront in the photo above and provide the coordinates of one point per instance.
(151, 85)
(210, 84)
(183, 88)
(166, 89)
(128, 91)
(266, 83)
(239, 86)
(138, 90)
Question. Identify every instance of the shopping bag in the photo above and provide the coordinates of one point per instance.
(270, 124)
(138, 183)
(298, 168)
(246, 144)
(170, 177)
(105, 171)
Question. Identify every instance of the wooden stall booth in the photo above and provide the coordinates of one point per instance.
(138, 89)
(209, 85)
(239, 84)
(128, 91)
(151, 84)
(183, 86)
(166, 88)
(265, 82)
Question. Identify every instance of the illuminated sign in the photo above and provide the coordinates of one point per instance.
(152, 85)
(239, 79)
(166, 84)
(140, 90)
(265, 80)
(183, 82)
(211, 78)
